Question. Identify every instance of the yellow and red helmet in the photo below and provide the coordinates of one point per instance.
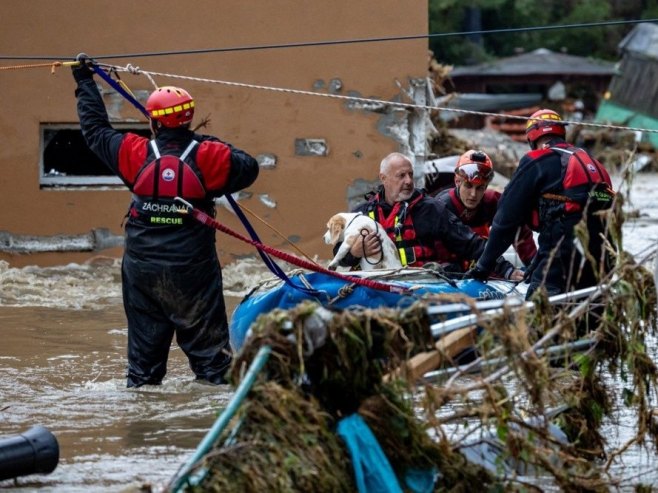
(544, 122)
(171, 106)
(475, 167)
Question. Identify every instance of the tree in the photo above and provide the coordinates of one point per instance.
(452, 16)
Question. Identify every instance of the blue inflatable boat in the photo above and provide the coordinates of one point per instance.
(410, 285)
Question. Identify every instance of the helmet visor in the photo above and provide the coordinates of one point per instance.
(475, 173)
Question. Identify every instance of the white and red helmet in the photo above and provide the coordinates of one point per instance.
(475, 167)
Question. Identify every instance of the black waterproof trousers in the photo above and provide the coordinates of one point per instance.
(185, 300)
(559, 265)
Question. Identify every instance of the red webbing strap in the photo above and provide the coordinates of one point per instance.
(292, 259)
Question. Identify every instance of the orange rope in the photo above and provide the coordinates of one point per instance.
(52, 65)
(245, 208)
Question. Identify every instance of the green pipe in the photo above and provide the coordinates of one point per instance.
(222, 421)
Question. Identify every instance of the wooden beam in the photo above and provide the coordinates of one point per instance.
(446, 349)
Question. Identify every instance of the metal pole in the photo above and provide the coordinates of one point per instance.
(497, 307)
(222, 421)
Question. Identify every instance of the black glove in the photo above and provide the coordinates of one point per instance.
(477, 273)
(83, 70)
(504, 268)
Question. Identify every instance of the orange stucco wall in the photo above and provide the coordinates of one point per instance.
(307, 190)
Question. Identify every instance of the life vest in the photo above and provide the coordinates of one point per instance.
(585, 185)
(400, 228)
(160, 180)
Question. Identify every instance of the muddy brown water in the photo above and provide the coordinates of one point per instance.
(62, 363)
(63, 369)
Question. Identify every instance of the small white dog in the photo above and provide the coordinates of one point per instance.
(351, 226)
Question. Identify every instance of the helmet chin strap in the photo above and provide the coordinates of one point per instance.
(155, 125)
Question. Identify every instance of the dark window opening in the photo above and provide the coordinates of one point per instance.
(67, 161)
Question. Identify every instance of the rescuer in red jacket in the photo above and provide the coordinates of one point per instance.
(171, 277)
(554, 188)
(475, 204)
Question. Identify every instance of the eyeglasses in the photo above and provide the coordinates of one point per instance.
(475, 173)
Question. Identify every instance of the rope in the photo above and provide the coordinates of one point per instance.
(342, 293)
(136, 71)
(52, 65)
(367, 101)
(365, 232)
(119, 87)
(253, 214)
(271, 264)
(554, 196)
(204, 218)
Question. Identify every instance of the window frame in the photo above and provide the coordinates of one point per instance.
(79, 182)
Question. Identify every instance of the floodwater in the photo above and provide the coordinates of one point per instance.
(62, 365)
(62, 361)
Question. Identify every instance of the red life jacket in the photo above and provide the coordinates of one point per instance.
(585, 184)
(169, 176)
(160, 180)
(400, 228)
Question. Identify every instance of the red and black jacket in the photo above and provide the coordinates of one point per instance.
(399, 225)
(219, 167)
(585, 184)
(480, 219)
(532, 197)
(422, 223)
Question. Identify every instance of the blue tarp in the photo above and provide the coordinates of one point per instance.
(372, 470)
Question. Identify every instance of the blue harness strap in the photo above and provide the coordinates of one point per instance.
(110, 81)
(271, 264)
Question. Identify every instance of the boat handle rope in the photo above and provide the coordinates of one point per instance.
(204, 218)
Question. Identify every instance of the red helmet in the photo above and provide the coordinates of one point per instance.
(475, 167)
(171, 106)
(544, 122)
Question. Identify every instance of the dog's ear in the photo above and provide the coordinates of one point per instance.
(336, 226)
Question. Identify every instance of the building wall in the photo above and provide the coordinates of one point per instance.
(305, 189)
